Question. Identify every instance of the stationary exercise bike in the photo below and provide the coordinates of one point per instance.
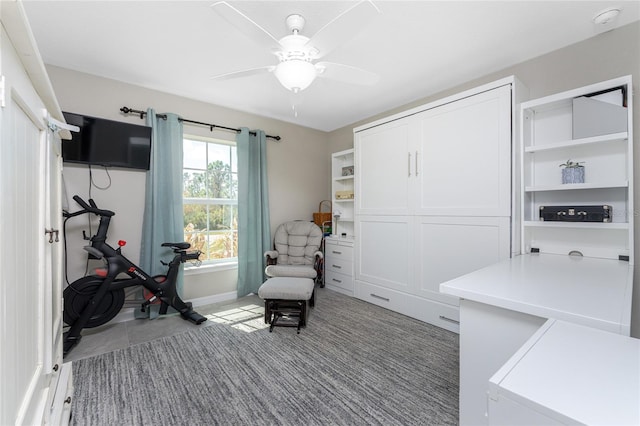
(96, 299)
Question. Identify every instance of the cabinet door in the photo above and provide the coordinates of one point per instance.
(23, 294)
(464, 156)
(53, 251)
(383, 252)
(383, 165)
(448, 247)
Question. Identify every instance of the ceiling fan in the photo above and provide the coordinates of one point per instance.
(296, 68)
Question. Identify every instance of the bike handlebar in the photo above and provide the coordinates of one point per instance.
(194, 255)
(93, 208)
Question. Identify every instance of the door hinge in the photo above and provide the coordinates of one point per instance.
(52, 232)
(2, 92)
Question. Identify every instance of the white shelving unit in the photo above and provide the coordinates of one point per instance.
(342, 163)
(549, 129)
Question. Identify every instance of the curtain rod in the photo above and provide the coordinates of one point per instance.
(128, 110)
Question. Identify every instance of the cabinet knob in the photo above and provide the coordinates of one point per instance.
(68, 400)
(56, 367)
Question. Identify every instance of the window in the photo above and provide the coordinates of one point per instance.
(210, 198)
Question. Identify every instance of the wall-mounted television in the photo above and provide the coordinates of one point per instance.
(107, 143)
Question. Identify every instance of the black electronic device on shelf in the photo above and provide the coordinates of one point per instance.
(599, 213)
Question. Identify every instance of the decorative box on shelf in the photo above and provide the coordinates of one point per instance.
(347, 171)
(344, 195)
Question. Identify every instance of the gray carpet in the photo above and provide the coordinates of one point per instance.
(354, 364)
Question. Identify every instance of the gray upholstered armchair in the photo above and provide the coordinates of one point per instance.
(296, 251)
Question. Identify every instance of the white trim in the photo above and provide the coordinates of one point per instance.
(467, 93)
(211, 268)
(16, 24)
(215, 298)
(58, 125)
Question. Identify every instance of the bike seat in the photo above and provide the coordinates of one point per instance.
(179, 246)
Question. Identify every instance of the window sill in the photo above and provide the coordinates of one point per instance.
(205, 269)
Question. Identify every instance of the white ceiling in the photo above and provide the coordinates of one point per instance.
(417, 47)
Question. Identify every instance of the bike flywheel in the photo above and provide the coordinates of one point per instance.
(78, 295)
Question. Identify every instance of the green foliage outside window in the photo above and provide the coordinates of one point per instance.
(210, 209)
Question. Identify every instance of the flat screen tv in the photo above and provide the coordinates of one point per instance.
(107, 143)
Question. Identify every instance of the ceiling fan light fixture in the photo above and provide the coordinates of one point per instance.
(295, 75)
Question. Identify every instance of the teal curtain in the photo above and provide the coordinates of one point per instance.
(163, 215)
(254, 232)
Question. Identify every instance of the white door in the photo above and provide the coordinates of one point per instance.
(383, 165)
(24, 296)
(449, 247)
(464, 157)
(383, 252)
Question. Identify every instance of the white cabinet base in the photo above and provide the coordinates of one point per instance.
(439, 314)
(338, 265)
(489, 336)
(569, 374)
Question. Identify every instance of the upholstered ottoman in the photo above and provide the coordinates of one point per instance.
(286, 301)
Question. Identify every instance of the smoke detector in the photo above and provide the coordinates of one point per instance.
(607, 15)
(607, 19)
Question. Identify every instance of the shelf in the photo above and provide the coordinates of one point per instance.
(582, 225)
(589, 125)
(579, 142)
(575, 186)
(344, 206)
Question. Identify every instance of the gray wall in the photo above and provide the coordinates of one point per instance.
(609, 55)
(297, 167)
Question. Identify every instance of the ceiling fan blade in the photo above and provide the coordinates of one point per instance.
(343, 27)
(244, 73)
(246, 25)
(346, 74)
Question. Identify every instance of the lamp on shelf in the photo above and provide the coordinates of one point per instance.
(295, 74)
(336, 216)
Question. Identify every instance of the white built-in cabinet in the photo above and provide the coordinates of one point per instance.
(342, 184)
(589, 125)
(35, 385)
(572, 270)
(434, 199)
(338, 247)
(338, 264)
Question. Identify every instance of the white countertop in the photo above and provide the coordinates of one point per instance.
(588, 291)
(574, 374)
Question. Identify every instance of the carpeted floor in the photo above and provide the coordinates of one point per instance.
(354, 364)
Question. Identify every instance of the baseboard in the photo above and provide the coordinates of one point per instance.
(216, 298)
(127, 313)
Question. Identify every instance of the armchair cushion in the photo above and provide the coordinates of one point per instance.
(296, 251)
(297, 271)
(297, 242)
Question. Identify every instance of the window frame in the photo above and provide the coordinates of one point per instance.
(218, 264)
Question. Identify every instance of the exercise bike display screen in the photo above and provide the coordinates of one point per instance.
(107, 143)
